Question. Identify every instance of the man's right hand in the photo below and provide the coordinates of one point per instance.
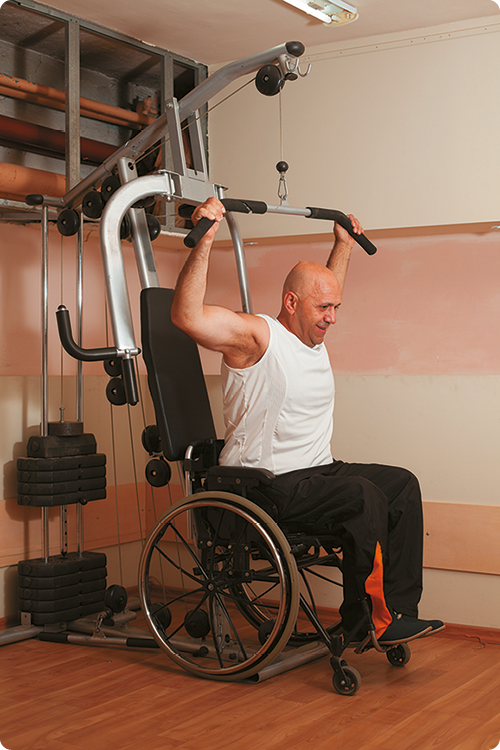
(212, 209)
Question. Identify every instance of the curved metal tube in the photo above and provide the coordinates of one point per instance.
(112, 258)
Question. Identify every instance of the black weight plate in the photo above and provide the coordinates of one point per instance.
(50, 501)
(58, 488)
(63, 592)
(58, 463)
(95, 577)
(62, 564)
(70, 475)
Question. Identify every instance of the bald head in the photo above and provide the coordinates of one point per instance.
(305, 276)
(311, 297)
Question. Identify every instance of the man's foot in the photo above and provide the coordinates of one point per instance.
(404, 628)
(436, 626)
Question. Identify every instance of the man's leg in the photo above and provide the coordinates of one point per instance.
(404, 546)
(334, 499)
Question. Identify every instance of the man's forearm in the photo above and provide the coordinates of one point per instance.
(191, 287)
(338, 260)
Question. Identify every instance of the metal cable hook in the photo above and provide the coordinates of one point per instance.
(301, 74)
(291, 66)
(282, 168)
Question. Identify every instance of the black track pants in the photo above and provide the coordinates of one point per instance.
(369, 508)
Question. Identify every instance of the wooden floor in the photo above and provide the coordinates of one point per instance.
(67, 697)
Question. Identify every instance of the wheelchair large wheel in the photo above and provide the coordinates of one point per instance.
(208, 561)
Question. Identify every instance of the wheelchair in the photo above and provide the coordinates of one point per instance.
(226, 592)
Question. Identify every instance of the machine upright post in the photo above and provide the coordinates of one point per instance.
(44, 427)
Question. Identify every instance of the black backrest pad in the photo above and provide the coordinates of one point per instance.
(175, 377)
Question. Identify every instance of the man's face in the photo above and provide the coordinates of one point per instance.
(316, 311)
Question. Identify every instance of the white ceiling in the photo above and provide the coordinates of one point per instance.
(217, 31)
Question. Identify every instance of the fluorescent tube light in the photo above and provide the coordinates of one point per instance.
(311, 11)
(328, 11)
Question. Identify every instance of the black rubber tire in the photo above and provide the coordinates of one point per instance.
(347, 683)
(399, 655)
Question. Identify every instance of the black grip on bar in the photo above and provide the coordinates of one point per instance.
(130, 382)
(204, 224)
(329, 214)
(198, 231)
(54, 637)
(70, 345)
(141, 643)
(96, 355)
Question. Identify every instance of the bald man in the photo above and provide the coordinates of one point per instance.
(278, 396)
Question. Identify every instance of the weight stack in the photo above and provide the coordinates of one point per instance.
(62, 468)
(63, 587)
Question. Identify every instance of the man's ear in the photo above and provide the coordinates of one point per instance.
(290, 301)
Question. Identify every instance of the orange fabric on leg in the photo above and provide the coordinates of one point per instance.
(374, 588)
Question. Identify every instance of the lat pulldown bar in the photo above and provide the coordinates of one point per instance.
(259, 207)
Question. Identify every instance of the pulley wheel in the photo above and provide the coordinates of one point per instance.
(109, 186)
(269, 81)
(93, 205)
(113, 367)
(125, 228)
(115, 392)
(151, 440)
(154, 226)
(115, 598)
(162, 615)
(68, 222)
(146, 202)
(158, 472)
(197, 623)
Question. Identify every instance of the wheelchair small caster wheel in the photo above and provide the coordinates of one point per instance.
(399, 655)
(346, 682)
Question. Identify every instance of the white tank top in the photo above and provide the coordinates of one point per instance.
(279, 412)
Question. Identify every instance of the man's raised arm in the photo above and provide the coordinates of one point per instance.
(338, 260)
(241, 338)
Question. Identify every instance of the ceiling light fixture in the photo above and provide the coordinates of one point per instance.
(337, 12)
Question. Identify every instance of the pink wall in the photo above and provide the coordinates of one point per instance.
(422, 305)
(425, 304)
